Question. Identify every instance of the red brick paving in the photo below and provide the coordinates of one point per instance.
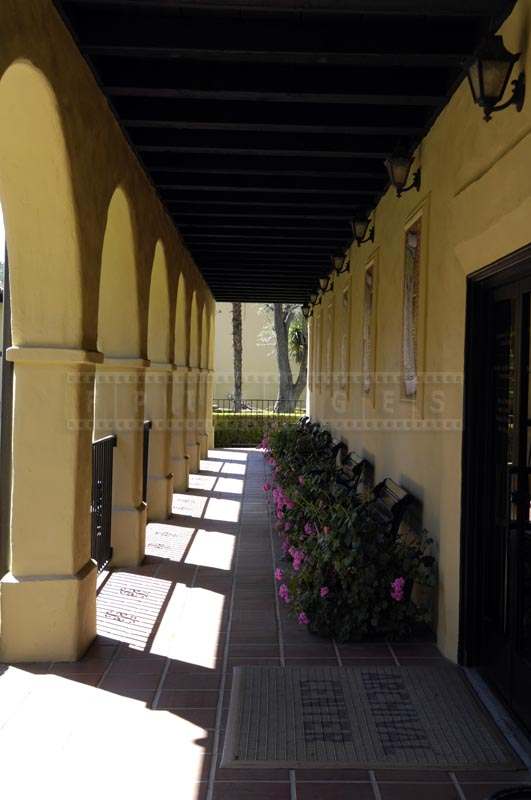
(186, 636)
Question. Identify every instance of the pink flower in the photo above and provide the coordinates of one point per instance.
(301, 480)
(397, 589)
(303, 619)
(298, 558)
(290, 504)
(288, 526)
(326, 530)
(284, 546)
(266, 487)
(280, 514)
(283, 593)
(324, 591)
(309, 528)
(278, 574)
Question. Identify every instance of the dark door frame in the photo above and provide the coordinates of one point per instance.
(512, 267)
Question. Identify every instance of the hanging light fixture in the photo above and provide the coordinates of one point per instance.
(307, 311)
(315, 299)
(360, 229)
(398, 166)
(488, 76)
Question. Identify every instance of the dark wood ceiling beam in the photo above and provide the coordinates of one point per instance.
(191, 174)
(267, 128)
(306, 236)
(359, 59)
(279, 207)
(306, 98)
(278, 152)
(204, 216)
(213, 229)
(274, 190)
(435, 8)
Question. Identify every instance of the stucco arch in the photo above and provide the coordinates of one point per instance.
(118, 311)
(194, 352)
(39, 212)
(181, 335)
(159, 344)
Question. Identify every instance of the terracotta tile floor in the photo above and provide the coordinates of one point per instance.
(143, 713)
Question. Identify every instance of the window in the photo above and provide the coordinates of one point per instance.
(411, 310)
(344, 342)
(367, 354)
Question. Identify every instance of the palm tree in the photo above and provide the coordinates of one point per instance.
(237, 354)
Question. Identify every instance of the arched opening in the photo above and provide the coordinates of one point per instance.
(49, 456)
(118, 309)
(181, 337)
(179, 461)
(119, 391)
(195, 333)
(158, 395)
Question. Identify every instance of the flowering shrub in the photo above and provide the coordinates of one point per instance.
(347, 577)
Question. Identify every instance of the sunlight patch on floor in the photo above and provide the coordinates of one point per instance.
(167, 541)
(212, 549)
(223, 510)
(128, 607)
(188, 505)
(229, 468)
(210, 466)
(64, 725)
(227, 455)
(229, 485)
(205, 482)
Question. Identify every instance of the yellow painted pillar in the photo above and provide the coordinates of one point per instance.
(158, 379)
(210, 402)
(202, 404)
(192, 433)
(48, 597)
(119, 409)
(179, 460)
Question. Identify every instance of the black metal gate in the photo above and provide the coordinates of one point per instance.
(145, 463)
(102, 457)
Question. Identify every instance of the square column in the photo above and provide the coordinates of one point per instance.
(202, 405)
(158, 379)
(208, 412)
(192, 434)
(179, 459)
(48, 596)
(119, 409)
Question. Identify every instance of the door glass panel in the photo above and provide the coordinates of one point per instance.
(504, 456)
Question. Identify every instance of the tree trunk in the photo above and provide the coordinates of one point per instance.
(237, 354)
(288, 391)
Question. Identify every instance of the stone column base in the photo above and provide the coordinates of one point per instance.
(192, 451)
(49, 617)
(128, 536)
(159, 494)
(180, 474)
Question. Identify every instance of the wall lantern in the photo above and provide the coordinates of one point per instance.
(315, 300)
(398, 166)
(360, 226)
(307, 311)
(488, 76)
(341, 264)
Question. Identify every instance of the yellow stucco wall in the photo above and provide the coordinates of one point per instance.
(95, 266)
(475, 201)
(259, 362)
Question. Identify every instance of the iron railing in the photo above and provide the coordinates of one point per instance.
(102, 458)
(145, 458)
(255, 407)
(248, 426)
